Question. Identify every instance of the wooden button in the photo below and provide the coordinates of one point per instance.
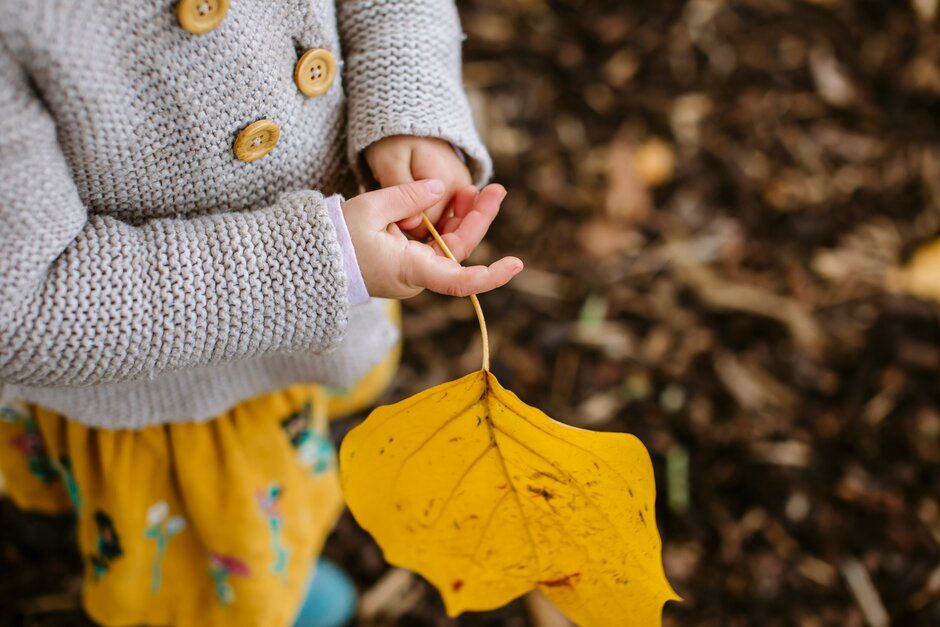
(201, 16)
(314, 72)
(256, 140)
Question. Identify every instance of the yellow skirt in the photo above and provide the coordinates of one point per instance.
(209, 523)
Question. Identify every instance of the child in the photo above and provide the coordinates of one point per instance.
(177, 269)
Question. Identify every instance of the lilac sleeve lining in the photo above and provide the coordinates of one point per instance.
(358, 294)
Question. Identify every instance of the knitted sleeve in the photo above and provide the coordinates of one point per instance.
(90, 299)
(402, 76)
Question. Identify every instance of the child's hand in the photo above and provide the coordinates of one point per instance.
(402, 158)
(394, 266)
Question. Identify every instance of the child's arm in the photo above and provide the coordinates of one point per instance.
(87, 298)
(402, 77)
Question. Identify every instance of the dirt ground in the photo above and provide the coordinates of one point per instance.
(715, 200)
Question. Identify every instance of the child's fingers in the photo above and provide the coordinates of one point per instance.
(453, 181)
(438, 214)
(474, 225)
(392, 204)
(465, 197)
(444, 276)
(415, 226)
(396, 171)
(410, 224)
(461, 204)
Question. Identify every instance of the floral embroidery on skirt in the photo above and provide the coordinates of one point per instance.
(209, 523)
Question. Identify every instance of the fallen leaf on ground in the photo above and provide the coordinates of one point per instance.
(655, 162)
(921, 276)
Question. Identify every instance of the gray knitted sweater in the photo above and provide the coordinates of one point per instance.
(146, 274)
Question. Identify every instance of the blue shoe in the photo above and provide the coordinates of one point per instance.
(331, 598)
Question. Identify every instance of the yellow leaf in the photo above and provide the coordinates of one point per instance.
(921, 276)
(489, 498)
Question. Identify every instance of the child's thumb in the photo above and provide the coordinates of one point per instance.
(408, 199)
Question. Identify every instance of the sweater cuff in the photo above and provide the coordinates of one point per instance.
(358, 294)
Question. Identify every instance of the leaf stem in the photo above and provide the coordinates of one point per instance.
(473, 297)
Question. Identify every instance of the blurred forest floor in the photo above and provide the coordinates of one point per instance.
(718, 202)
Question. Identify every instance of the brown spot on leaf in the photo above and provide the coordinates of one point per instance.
(457, 585)
(567, 581)
(546, 494)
